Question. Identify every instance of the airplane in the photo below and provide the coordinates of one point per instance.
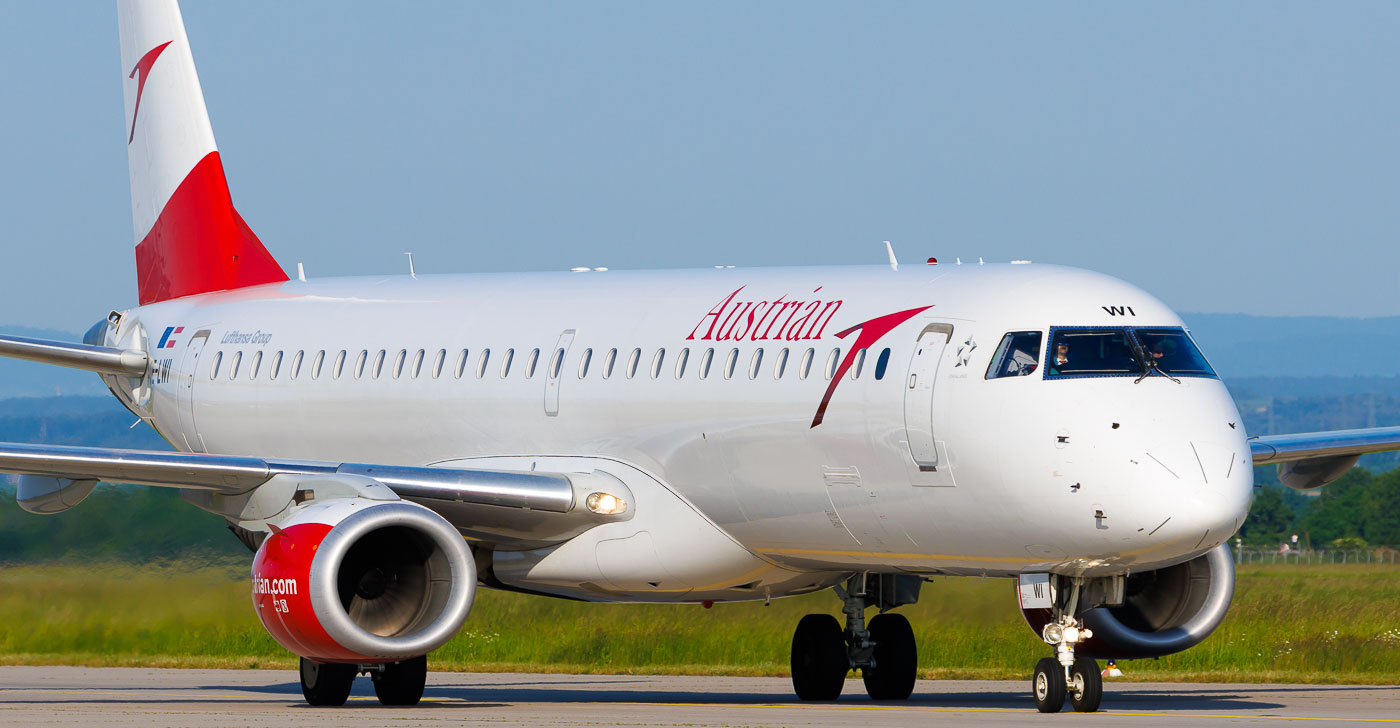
(386, 445)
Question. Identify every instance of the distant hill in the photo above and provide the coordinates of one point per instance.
(29, 379)
(1242, 346)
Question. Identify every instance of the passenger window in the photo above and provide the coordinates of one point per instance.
(530, 363)
(556, 364)
(859, 364)
(1018, 355)
(417, 363)
(730, 362)
(780, 365)
(583, 363)
(806, 367)
(755, 363)
(680, 362)
(399, 361)
(218, 359)
(316, 364)
(656, 360)
(1091, 352)
(438, 361)
(461, 367)
(481, 363)
(505, 362)
(705, 362)
(339, 365)
(831, 362)
(378, 365)
(233, 367)
(360, 363)
(276, 366)
(882, 364)
(257, 364)
(608, 362)
(296, 365)
(632, 362)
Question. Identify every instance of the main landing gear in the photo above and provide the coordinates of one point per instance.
(395, 683)
(1066, 674)
(883, 650)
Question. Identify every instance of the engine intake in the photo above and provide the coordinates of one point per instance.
(363, 581)
(1164, 611)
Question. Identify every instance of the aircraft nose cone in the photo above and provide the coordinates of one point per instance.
(1205, 490)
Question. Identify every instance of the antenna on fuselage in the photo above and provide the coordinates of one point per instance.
(411, 272)
(894, 262)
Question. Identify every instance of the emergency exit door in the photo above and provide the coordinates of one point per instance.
(554, 367)
(188, 373)
(918, 394)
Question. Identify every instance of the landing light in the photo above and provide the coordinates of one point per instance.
(605, 504)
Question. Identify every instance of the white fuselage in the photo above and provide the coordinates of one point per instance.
(1089, 476)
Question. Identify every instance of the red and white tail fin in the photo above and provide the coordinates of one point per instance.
(189, 239)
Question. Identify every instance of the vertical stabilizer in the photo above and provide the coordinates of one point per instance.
(189, 238)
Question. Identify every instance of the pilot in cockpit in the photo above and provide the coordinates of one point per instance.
(1060, 358)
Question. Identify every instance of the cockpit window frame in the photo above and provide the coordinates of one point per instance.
(1138, 347)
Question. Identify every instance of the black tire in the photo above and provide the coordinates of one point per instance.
(819, 661)
(327, 683)
(896, 659)
(1048, 686)
(1086, 685)
(401, 683)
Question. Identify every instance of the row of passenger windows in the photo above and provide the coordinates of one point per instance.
(613, 362)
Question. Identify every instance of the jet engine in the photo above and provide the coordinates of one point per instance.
(354, 580)
(1156, 613)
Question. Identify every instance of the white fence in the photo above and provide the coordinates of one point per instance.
(1250, 555)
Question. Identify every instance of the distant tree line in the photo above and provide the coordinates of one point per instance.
(1362, 508)
(117, 523)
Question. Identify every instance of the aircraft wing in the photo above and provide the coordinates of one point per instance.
(508, 508)
(1310, 459)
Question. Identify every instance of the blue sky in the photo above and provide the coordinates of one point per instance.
(1228, 157)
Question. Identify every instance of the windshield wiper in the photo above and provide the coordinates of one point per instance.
(1149, 365)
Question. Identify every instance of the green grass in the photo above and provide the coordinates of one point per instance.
(1328, 624)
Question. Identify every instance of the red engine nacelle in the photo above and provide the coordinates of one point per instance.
(361, 581)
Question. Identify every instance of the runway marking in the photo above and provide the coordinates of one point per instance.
(137, 693)
(935, 709)
(252, 693)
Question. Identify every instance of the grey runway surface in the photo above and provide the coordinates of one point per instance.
(207, 698)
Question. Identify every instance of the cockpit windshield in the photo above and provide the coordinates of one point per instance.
(1095, 352)
(1091, 353)
(1173, 352)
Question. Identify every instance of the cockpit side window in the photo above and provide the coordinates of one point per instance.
(1091, 353)
(1017, 355)
(1173, 352)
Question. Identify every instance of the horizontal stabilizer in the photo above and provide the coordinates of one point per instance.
(103, 359)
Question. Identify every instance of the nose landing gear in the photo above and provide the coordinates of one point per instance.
(884, 650)
(1066, 674)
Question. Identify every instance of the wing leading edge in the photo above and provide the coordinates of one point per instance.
(1311, 459)
(501, 506)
